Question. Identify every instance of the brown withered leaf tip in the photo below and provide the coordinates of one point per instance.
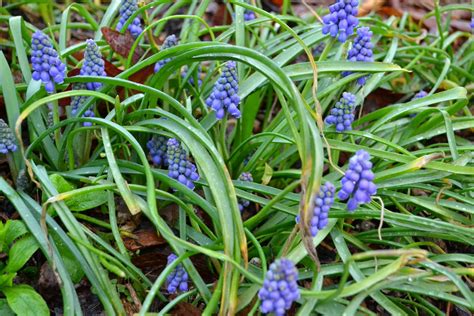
(143, 239)
(122, 43)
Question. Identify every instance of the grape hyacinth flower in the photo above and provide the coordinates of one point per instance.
(224, 96)
(127, 8)
(357, 183)
(420, 95)
(342, 114)
(323, 202)
(78, 101)
(45, 61)
(178, 278)
(170, 41)
(279, 289)
(179, 165)
(157, 147)
(249, 15)
(184, 73)
(245, 176)
(341, 19)
(7, 139)
(361, 51)
(93, 65)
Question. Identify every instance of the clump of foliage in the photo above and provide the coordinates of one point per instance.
(284, 163)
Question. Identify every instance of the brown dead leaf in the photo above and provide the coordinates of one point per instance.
(185, 309)
(143, 239)
(122, 43)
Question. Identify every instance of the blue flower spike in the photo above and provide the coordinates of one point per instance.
(361, 51)
(420, 94)
(341, 20)
(47, 67)
(357, 183)
(280, 288)
(127, 8)
(177, 280)
(342, 114)
(7, 139)
(157, 146)
(93, 64)
(170, 41)
(245, 176)
(224, 96)
(179, 165)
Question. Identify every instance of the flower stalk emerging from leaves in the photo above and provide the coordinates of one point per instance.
(170, 41)
(279, 289)
(357, 183)
(342, 114)
(178, 279)
(7, 139)
(179, 165)
(224, 96)
(341, 19)
(45, 61)
(127, 8)
(245, 176)
(361, 50)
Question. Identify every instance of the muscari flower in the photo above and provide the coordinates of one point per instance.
(249, 15)
(179, 165)
(78, 101)
(279, 289)
(342, 114)
(341, 19)
(184, 73)
(178, 278)
(357, 183)
(7, 139)
(245, 176)
(361, 50)
(157, 147)
(224, 96)
(127, 8)
(45, 61)
(93, 65)
(420, 94)
(322, 204)
(170, 41)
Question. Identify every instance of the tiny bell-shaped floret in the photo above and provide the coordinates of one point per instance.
(420, 94)
(93, 65)
(177, 280)
(245, 176)
(224, 96)
(179, 165)
(7, 139)
(361, 50)
(342, 114)
(170, 41)
(127, 8)
(280, 288)
(45, 61)
(357, 183)
(157, 147)
(341, 19)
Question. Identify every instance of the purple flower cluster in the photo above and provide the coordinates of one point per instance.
(224, 96)
(245, 176)
(341, 19)
(78, 101)
(45, 61)
(7, 139)
(361, 50)
(170, 41)
(420, 95)
(127, 8)
(342, 114)
(179, 165)
(93, 64)
(177, 280)
(184, 73)
(279, 289)
(249, 15)
(357, 183)
(322, 204)
(157, 146)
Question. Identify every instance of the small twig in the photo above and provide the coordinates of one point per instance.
(316, 15)
(379, 229)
